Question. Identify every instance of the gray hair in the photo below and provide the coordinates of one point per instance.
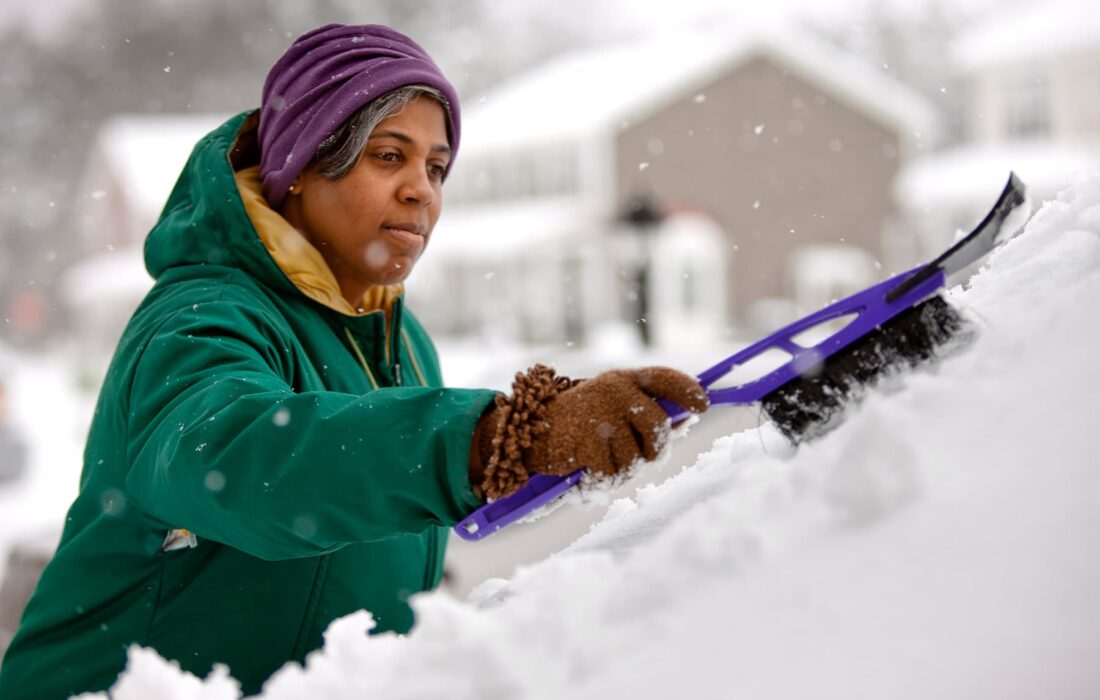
(339, 153)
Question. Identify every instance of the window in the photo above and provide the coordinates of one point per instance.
(518, 174)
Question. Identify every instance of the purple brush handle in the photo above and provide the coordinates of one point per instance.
(871, 309)
(539, 490)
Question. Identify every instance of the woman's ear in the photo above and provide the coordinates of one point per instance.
(292, 202)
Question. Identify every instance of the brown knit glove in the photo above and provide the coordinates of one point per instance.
(555, 425)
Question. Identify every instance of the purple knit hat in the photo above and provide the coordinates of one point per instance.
(322, 79)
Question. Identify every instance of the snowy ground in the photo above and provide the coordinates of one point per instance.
(943, 542)
(51, 417)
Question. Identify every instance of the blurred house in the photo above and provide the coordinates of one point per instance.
(133, 166)
(769, 155)
(1034, 76)
(766, 156)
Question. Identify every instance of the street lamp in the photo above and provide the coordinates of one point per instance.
(642, 218)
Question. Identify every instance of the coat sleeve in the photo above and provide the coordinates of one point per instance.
(218, 443)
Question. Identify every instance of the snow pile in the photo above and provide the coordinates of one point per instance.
(943, 542)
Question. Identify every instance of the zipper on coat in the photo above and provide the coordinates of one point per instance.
(362, 360)
(391, 347)
(392, 333)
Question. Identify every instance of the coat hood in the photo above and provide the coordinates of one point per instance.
(204, 221)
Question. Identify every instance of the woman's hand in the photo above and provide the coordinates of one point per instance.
(553, 425)
(609, 422)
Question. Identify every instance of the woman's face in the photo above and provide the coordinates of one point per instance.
(372, 225)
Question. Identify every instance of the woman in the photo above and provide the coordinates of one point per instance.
(272, 448)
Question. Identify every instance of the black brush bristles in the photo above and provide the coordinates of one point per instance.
(806, 406)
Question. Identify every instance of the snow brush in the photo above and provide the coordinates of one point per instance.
(898, 323)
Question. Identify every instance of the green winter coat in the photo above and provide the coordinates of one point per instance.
(307, 449)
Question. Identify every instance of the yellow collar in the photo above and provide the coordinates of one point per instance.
(298, 258)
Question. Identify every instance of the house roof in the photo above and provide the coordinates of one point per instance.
(1021, 34)
(592, 92)
(134, 163)
(497, 232)
(144, 154)
(966, 176)
(111, 277)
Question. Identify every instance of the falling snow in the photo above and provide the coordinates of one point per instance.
(960, 541)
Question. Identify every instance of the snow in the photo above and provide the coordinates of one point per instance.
(473, 233)
(45, 410)
(1024, 34)
(144, 155)
(942, 542)
(595, 91)
(966, 175)
(106, 278)
(821, 270)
